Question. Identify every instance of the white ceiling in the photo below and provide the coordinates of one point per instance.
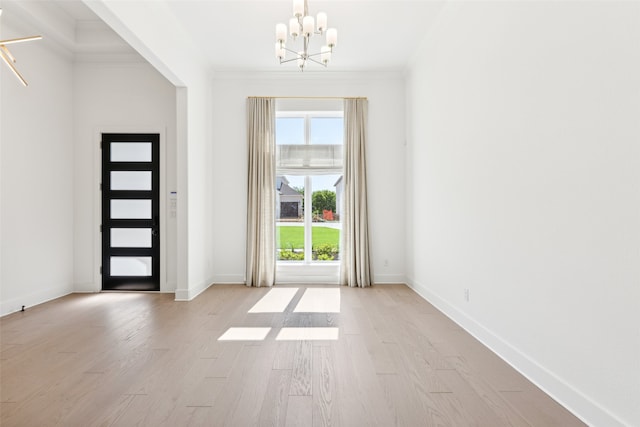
(372, 35)
(68, 25)
(239, 35)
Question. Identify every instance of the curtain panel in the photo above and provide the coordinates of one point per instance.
(261, 230)
(355, 268)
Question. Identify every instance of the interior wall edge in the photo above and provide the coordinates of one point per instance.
(193, 291)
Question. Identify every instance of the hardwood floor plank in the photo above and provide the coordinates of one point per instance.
(142, 359)
(227, 403)
(171, 368)
(420, 359)
(156, 409)
(369, 389)
(418, 381)
(352, 411)
(244, 391)
(404, 407)
(105, 414)
(379, 309)
(273, 412)
(226, 360)
(490, 396)
(254, 387)
(375, 345)
(539, 409)
(474, 407)
(325, 410)
(195, 387)
(199, 416)
(204, 392)
(299, 411)
(284, 355)
(301, 377)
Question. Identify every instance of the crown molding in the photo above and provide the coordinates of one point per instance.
(295, 75)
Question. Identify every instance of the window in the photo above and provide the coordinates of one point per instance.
(308, 186)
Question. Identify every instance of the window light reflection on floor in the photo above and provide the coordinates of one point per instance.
(314, 300)
(307, 334)
(319, 301)
(274, 301)
(245, 334)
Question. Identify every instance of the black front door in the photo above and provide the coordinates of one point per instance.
(130, 212)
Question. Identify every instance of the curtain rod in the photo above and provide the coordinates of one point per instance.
(310, 97)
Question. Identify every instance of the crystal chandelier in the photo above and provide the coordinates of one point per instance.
(303, 25)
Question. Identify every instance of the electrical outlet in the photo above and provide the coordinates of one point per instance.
(466, 294)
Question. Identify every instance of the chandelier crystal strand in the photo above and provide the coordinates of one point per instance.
(305, 26)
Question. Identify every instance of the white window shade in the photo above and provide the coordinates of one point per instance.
(309, 159)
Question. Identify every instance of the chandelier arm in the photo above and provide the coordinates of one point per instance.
(317, 62)
(7, 53)
(288, 60)
(13, 68)
(20, 40)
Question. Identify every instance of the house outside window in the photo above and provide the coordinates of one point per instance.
(288, 200)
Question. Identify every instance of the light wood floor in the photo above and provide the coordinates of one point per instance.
(145, 360)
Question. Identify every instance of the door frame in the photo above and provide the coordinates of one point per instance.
(131, 282)
(97, 200)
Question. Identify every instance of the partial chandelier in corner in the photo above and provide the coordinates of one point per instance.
(9, 59)
(304, 26)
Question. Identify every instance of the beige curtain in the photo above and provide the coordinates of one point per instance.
(261, 259)
(355, 269)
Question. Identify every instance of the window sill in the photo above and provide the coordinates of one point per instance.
(326, 272)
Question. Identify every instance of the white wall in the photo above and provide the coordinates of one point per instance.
(183, 66)
(524, 158)
(36, 184)
(199, 206)
(385, 160)
(119, 98)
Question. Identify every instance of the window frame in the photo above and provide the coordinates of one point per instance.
(308, 261)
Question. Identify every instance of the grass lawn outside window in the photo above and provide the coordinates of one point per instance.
(290, 243)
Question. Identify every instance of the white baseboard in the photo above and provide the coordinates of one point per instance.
(191, 293)
(389, 279)
(229, 279)
(182, 295)
(580, 405)
(92, 287)
(15, 304)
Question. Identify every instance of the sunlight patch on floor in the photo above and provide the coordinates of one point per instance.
(245, 334)
(319, 301)
(274, 301)
(314, 300)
